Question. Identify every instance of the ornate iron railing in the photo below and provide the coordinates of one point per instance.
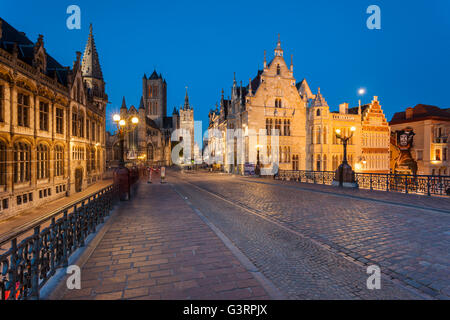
(428, 185)
(27, 265)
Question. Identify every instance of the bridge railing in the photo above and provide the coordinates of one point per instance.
(33, 254)
(418, 184)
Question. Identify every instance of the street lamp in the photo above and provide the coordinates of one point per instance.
(121, 130)
(122, 174)
(344, 173)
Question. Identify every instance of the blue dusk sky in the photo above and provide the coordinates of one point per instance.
(200, 44)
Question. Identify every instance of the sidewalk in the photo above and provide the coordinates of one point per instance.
(42, 210)
(158, 248)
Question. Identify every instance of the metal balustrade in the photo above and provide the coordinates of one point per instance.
(30, 262)
(419, 184)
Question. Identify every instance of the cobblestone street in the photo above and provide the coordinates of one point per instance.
(314, 241)
(213, 236)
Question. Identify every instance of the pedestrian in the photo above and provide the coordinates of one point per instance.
(163, 174)
(150, 170)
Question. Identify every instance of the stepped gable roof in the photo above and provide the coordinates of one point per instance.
(422, 112)
(25, 51)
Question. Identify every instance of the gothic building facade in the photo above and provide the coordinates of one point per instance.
(150, 143)
(273, 103)
(52, 122)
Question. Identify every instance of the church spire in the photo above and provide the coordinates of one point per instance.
(91, 66)
(186, 100)
(124, 105)
(278, 50)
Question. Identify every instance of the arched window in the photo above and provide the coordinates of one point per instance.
(150, 154)
(92, 159)
(88, 160)
(2, 163)
(42, 161)
(318, 112)
(325, 138)
(324, 163)
(59, 161)
(318, 168)
(22, 162)
(278, 70)
(98, 159)
(318, 136)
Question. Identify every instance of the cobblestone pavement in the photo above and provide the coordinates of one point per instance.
(408, 236)
(158, 248)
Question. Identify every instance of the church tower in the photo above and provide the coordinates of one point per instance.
(187, 121)
(154, 93)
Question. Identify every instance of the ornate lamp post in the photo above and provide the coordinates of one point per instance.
(345, 176)
(122, 174)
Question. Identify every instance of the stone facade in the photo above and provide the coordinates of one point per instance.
(430, 142)
(306, 126)
(52, 122)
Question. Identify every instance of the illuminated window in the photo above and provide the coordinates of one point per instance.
(23, 110)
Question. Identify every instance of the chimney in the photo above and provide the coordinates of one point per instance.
(343, 108)
(409, 113)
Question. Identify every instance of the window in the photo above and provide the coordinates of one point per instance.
(318, 163)
(88, 161)
(74, 124)
(325, 138)
(2, 163)
(59, 120)
(278, 70)
(23, 110)
(444, 154)
(438, 154)
(318, 112)
(92, 159)
(22, 162)
(278, 103)
(42, 169)
(59, 161)
(93, 131)
(43, 116)
(88, 124)
(287, 127)
(324, 162)
(2, 104)
(318, 134)
(278, 126)
(81, 125)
